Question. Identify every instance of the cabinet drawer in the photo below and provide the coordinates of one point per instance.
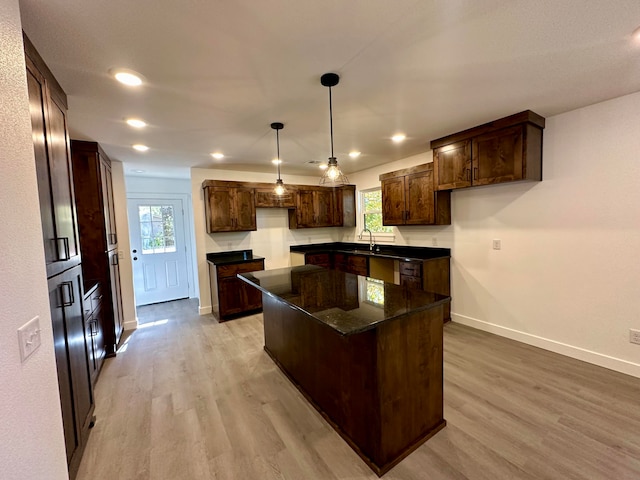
(96, 298)
(321, 259)
(232, 270)
(358, 265)
(413, 269)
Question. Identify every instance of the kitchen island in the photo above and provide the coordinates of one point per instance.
(365, 353)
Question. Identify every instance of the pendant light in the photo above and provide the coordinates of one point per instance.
(332, 176)
(279, 189)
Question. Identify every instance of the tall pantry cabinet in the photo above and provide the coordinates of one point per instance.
(98, 236)
(48, 107)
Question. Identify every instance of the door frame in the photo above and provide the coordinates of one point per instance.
(188, 228)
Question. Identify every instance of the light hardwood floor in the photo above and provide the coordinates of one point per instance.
(188, 398)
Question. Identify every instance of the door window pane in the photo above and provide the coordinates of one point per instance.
(156, 229)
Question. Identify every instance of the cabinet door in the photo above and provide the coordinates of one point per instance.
(497, 156)
(76, 394)
(452, 164)
(220, 210)
(305, 212)
(232, 296)
(393, 201)
(113, 336)
(323, 207)
(109, 211)
(419, 198)
(244, 209)
(55, 183)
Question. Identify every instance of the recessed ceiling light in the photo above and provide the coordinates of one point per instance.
(140, 148)
(217, 155)
(398, 137)
(354, 154)
(322, 166)
(136, 123)
(139, 171)
(276, 161)
(127, 77)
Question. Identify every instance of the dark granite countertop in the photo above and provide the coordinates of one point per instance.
(345, 302)
(397, 252)
(233, 257)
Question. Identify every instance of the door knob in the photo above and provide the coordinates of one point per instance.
(135, 258)
(135, 251)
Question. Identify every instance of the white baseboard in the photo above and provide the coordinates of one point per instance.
(612, 363)
(204, 310)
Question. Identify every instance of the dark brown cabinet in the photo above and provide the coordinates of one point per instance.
(320, 259)
(98, 236)
(94, 335)
(230, 296)
(266, 198)
(506, 150)
(315, 207)
(76, 393)
(408, 198)
(48, 106)
(230, 209)
(356, 264)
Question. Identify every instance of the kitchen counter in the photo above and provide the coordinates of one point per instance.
(333, 297)
(397, 252)
(365, 353)
(232, 257)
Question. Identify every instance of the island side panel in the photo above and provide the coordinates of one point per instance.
(335, 373)
(410, 379)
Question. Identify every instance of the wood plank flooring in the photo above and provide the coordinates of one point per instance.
(189, 398)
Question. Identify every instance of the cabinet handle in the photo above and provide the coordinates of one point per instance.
(113, 238)
(66, 293)
(475, 173)
(114, 259)
(65, 249)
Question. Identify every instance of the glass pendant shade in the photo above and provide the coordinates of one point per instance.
(279, 188)
(332, 176)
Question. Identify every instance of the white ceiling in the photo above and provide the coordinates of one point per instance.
(218, 72)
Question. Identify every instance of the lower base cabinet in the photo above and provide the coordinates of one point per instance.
(94, 334)
(231, 297)
(74, 379)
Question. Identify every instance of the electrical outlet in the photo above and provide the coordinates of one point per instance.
(634, 336)
(497, 244)
(29, 337)
(434, 241)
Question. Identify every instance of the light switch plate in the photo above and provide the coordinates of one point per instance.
(497, 244)
(29, 337)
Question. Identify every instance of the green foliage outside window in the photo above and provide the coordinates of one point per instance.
(372, 209)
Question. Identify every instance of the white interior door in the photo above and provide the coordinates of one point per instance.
(158, 250)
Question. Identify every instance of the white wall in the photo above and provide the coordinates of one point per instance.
(31, 436)
(271, 240)
(568, 274)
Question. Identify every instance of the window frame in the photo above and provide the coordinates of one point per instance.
(379, 237)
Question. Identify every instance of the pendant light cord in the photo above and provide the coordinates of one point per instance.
(278, 151)
(331, 121)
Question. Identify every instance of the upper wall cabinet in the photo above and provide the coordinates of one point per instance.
(408, 198)
(506, 150)
(229, 208)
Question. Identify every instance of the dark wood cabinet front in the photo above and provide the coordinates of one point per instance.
(230, 209)
(230, 296)
(94, 335)
(98, 235)
(76, 393)
(53, 166)
(408, 198)
(506, 150)
(315, 207)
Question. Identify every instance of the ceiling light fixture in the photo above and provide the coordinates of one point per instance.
(217, 155)
(354, 154)
(279, 189)
(140, 148)
(398, 137)
(332, 176)
(636, 35)
(136, 123)
(127, 77)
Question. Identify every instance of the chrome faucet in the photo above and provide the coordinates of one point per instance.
(370, 238)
